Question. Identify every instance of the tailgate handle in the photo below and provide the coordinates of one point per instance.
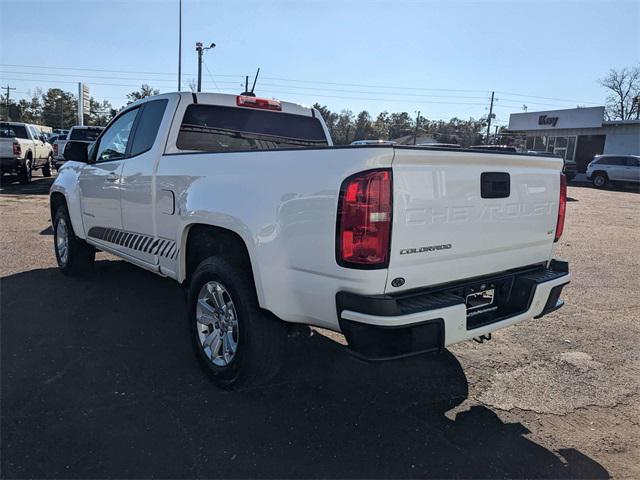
(495, 185)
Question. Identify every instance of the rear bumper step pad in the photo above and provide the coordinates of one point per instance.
(383, 327)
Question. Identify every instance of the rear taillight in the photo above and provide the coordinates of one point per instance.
(55, 149)
(255, 102)
(364, 220)
(17, 149)
(562, 207)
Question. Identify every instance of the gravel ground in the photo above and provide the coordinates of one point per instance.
(98, 378)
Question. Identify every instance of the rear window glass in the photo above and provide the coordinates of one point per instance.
(86, 134)
(13, 131)
(213, 128)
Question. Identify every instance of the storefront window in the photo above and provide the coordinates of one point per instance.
(540, 144)
(561, 142)
(571, 148)
(530, 143)
(550, 144)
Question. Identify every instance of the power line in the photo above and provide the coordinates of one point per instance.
(547, 98)
(409, 98)
(211, 75)
(156, 81)
(105, 70)
(312, 82)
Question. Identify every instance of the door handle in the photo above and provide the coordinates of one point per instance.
(112, 177)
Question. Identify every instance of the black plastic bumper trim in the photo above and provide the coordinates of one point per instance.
(381, 342)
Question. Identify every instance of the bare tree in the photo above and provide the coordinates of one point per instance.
(145, 91)
(623, 86)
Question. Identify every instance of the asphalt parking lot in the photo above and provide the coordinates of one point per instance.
(99, 380)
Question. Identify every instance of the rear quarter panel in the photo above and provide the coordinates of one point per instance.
(283, 205)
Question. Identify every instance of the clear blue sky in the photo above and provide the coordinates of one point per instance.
(454, 52)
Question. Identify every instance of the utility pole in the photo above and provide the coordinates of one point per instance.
(415, 132)
(490, 116)
(179, 43)
(6, 98)
(200, 49)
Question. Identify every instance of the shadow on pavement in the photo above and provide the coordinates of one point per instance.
(99, 380)
(9, 185)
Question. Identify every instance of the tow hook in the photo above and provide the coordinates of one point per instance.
(482, 338)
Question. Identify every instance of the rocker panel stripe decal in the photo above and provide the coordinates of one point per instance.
(136, 241)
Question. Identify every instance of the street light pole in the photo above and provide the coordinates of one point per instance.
(179, 43)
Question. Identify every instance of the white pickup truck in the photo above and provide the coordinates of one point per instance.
(23, 149)
(245, 202)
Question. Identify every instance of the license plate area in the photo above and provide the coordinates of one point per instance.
(476, 300)
(488, 301)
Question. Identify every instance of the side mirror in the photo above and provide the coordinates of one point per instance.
(76, 151)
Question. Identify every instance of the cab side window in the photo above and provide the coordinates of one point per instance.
(148, 125)
(114, 141)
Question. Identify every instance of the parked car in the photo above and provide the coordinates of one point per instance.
(23, 149)
(439, 145)
(570, 169)
(610, 168)
(52, 138)
(495, 148)
(245, 203)
(373, 142)
(79, 134)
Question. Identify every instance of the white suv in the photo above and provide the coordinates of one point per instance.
(613, 168)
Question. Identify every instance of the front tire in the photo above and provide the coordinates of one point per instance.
(74, 255)
(237, 343)
(600, 180)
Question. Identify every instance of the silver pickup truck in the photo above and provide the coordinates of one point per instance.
(23, 149)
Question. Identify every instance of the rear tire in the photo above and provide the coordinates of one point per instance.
(74, 255)
(48, 167)
(24, 176)
(238, 344)
(600, 180)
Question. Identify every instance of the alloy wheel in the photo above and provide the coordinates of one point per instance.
(62, 241)
(217, 323)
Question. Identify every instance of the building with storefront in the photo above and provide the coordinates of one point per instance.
(576, 134)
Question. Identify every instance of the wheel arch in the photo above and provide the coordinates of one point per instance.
(600, 172)
(201, 240)
(56, 199)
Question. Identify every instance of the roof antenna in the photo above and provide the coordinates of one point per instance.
(255, 80)
(247, 92)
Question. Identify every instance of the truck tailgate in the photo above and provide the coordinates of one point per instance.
(451, 222)
(6, 147)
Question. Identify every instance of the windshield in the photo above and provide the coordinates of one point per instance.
(85, 134)
(213, 128)
(12, 131)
